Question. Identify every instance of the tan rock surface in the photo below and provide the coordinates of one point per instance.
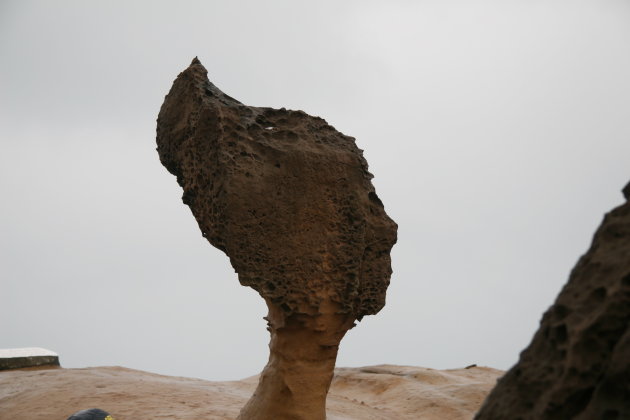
(372, 393)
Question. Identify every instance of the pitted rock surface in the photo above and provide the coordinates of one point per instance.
(286, 196)
(289, 199)
(578, 363)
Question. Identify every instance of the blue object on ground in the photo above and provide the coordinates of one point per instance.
(91, 414)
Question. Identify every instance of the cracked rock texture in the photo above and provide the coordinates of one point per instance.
(289, 199)
(578, 363)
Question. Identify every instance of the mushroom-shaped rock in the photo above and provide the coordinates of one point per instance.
(289, 199)
(578, 363)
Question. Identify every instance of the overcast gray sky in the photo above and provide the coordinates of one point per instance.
(498, 133)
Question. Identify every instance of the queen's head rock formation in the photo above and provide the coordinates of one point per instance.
(577, 366)
(289, 199)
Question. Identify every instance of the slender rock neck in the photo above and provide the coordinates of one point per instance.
(302, 354)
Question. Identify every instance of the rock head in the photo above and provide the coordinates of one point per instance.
(289, 199)
(578, 363)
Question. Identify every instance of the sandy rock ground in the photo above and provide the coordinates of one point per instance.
(384, 392)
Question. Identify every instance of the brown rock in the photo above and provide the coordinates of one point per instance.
(289, 200)
(578, 363)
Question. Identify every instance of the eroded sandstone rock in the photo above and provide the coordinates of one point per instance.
(578, 363)
(289, 200)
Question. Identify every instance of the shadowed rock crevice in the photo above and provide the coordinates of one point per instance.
(578, 363)
(289, 199)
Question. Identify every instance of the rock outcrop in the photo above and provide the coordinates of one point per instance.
(289, 200)
(27, 357)
(578, 363)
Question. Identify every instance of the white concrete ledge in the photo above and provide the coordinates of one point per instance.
(27, 357)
